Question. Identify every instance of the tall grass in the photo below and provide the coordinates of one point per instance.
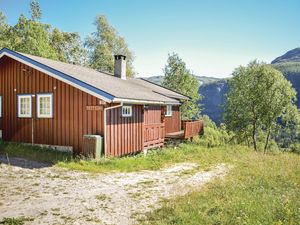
(260, 189)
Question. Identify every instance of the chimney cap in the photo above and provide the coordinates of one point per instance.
(119, 56)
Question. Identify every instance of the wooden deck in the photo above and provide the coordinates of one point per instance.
(190, 130)
(175, 135)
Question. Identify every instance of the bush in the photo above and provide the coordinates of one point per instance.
(213, 136)
(295, 147)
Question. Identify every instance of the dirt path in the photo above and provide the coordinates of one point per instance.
(53, 195)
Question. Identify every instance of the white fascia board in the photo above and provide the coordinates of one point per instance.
(142, 102)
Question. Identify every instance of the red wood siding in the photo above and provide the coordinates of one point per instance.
(124, 134)
(192, 128)
(172, 123)
(154, 127)
(70, 119)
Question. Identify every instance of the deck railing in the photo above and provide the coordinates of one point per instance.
(192, 128)
(154, 135)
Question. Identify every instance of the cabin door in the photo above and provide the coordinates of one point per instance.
(154, 126)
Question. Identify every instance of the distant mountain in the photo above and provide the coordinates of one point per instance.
(201, 79)
(214, 90)
(290, 56)
(155, 79)
(213, 98)
(289, 65)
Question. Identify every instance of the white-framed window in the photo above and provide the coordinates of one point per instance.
(45, 105)
(0, 106)
(126, 111)
(24, 106)
(169, 110)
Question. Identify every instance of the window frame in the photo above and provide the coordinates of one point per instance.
(169, 110)
(130, 111)
(38, 114)
(20, 96)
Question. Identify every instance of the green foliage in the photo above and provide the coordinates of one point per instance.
(35, 10)
(257, 190)
(68, 47)
(34, 153)
(258, 96)
(179, 78)
(104, 44)
(155, 159)
(4, 34)
(295, 147)
(33, 37)
(16, 221)
(213, 136)
(288, 132)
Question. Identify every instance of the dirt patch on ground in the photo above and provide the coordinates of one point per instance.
(52, 195)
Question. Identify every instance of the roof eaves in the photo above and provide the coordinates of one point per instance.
(138, 101)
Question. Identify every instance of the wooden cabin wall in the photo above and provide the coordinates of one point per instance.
(173, 123)
(124, 134)
(70, 119)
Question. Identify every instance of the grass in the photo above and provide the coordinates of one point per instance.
(33, 152)
(102, 197)
(156, 159)
(15, 221)
(260, 189)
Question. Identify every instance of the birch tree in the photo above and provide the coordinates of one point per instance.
(180, 79)
(258, 97)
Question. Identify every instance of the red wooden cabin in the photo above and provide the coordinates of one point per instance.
(47, 102)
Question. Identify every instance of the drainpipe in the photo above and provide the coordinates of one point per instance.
(105, 110)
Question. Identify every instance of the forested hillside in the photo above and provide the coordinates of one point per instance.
(291, 71)
(213, 90)
(201, 79)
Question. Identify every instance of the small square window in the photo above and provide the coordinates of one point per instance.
(45, 105)
(169, 110)
(24, 106)
(126, 111)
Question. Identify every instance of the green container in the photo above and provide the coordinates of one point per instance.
(95, 145)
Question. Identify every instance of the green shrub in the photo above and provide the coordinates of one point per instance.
(295, 147)
(213, 136)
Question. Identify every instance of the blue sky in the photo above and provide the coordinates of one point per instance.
(213, 36)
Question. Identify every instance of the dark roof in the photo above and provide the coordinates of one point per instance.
(102, 85)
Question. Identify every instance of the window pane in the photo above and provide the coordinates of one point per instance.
(126, 111)
(24, 106)
(45, 106)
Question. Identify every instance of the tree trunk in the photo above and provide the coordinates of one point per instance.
(248, 142)
(254, 136)
(267, 141)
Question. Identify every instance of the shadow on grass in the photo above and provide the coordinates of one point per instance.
(27, 156)
(23, 163)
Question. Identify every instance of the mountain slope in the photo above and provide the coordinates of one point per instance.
(291, 56)
(201, 79)
(213, 99)
(214, 90)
